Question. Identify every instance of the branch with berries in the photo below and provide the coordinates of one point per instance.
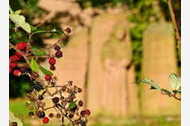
(25, 60)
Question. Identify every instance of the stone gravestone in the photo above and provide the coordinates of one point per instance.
(110, 54)
(159, 60)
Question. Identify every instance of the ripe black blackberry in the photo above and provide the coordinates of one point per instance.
(55, 100)
(41, 114)
(40, 97)
(52, 67)
(57, 47)
(80, 103)
(59, 54)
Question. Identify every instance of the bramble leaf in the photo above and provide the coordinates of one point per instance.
(151, 83)
(175, 81)
(38, 52)
(34, 65)
(19, 20)
(45, 71)
(72, 105)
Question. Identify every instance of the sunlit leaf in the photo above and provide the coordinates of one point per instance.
(38, 52)
(151, 83)
(45, 71)
(175, 81)
(19, 21)
(34, 66)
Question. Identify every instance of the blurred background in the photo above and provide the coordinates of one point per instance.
(114, 44)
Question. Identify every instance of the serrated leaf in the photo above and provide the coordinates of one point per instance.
(175, 81)
(151, 83)
(34, 66)
(45, 71)
(38, 52)
(12, 118)
(19, 21)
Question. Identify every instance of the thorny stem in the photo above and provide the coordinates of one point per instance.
(173, 17)
(177, 98)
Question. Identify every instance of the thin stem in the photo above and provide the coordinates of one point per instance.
(173, 17)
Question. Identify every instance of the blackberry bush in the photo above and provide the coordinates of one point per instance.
(24, 60)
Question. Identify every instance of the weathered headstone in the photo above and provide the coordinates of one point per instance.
(110, 54)
(159, 60)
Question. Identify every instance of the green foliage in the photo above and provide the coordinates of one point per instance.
(34, 65)
(38, 52)
(45, 71)
(72, 105)
(36, 68)
(19, 20)
(175, 86)
(175, 82)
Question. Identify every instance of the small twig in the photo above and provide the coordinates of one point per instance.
(177, 98)
(173, 17)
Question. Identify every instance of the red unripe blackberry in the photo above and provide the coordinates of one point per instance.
(57, 47)
(14, 58)
(10, 69)
(17, 72)
(41, 114)
(52, 60)
(82, 113)
(48, 77)
(59, 54)
(45, 120)
(18, 54)
(21, 45)
(13, 65)
(52, 67)
(87, 111)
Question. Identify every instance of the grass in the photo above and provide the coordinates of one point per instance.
(17, 106)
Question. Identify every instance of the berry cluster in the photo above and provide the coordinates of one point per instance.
(63, 100)
(65, 104)
(16, 59)
(58, 54)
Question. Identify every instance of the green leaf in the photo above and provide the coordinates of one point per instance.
(175, 82)
(151, 83)
(45, 71)
(34, 65)
(19, 20)
(38, 52)
(72, 105)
